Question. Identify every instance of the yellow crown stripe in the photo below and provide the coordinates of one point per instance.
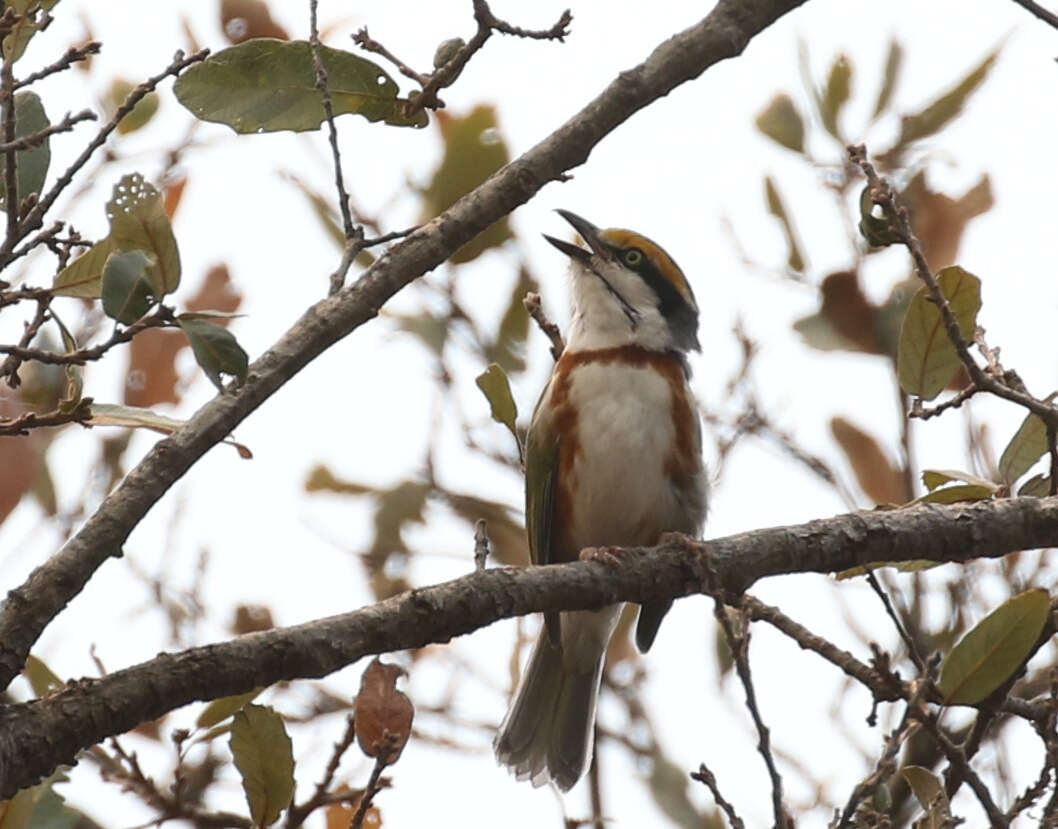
(666, 266)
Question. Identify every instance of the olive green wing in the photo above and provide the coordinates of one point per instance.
(542, 452)
(541, 485)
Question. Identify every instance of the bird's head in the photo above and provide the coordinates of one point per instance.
(626, 291)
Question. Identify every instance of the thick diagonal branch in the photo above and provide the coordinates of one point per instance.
(723, 34)
(36, 737)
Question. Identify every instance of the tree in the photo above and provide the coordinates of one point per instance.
(135, 268)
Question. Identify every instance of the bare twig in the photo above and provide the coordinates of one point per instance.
(1035, 8)
(374, 785)
(354, 245)
(22, 424)
(954, 402)
(536, 311)
(11, 195)
(369, 44)
(324, 88)
(704, 776)
(297, 814)
(909, 643)
(75, 54)
(27, 142)
(481, 544)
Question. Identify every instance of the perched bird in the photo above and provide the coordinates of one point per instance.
(613, 459)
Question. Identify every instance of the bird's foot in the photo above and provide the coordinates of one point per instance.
(688, 542)
(610, 556)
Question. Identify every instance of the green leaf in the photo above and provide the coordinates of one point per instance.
(127, 292)
(1028, 445)
(509, 347)
(497, 390)
(266, 85)
(141, 114)
(138, 222)
(33, 17)
(836, 95)
(474, 150)
(220, 709)
(936, 116)
(264, 757)
(83, 277)
(890, 75)
(216, 350)
(877, 230)
(1038, 486)
(931, 796)
(31, 166)
(959, 494)
(41, 678)
(996, 647)
(41, 807)
(782, 123)
(136, 417)
(913, 566)
(934, 478)
(927, 360)
(794, 260)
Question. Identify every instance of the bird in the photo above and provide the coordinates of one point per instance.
(612, 459)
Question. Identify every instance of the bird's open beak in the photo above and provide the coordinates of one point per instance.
(588, 232)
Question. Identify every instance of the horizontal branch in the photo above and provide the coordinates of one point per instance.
(724, 33)
(39, 735)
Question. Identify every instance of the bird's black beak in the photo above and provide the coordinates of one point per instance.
(588, 232)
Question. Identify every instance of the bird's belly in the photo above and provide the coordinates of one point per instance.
(623, 492)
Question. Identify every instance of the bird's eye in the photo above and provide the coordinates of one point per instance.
(633, 257)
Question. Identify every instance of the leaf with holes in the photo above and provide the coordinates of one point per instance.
(266, 85)
(988, 655)
(216, 350)
(927, 360)
(31, 165)
(782, 123)
(497, 390)
(138, 222)
(127, 292)
(263, 756)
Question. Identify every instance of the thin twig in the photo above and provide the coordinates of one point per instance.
(536, 311)
(926, 412)
(481, 544)
(7, 92)
(354, 245)
(324, 88)
(9, 368)
(28, 142)
(374, 785)
(912, 649)
(31, 420)
(704, 776)
(297, 814)
(1035, 8)
(75, 54)
(369, 44)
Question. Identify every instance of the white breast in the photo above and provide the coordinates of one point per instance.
(622, 489)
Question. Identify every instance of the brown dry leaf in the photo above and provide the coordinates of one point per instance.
(21, 457)
(172, 193)
(245, 19)
(850, 312)
(152, 377)
(250, 618)
(877, 477)
(216, 293)
(383, 714)
(939, 220)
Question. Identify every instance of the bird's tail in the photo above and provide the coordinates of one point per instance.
(547, 733)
